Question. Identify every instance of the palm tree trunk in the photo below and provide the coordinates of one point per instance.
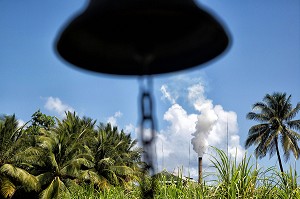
(278, 155)
(279, 160)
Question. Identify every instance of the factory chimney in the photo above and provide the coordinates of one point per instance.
(200, 170)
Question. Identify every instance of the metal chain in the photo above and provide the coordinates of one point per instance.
(147, 138)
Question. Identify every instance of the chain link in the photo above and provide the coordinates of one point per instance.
(147, 121)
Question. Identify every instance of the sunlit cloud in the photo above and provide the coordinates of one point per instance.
(167, 95)
(21, 123)
(130, 128)
(54, 104)
(113, 119)
(189, 135)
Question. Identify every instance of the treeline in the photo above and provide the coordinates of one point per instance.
(47, 156)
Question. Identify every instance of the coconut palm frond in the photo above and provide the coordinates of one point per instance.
(290, 115)
(56, 190)
(79, 162)
(53, 161)
(30, 156)
(45, 178)
(91, 176)
(47, 142)
(295, 124)
(88, 156)
(275, 115)
(289, 141)
(21, 176)
(256, 134)
(7, 188)
(122, 170)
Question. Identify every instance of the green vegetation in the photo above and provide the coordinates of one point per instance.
(275, 116)
(48, 158)
(14, 149)
(234, 180)
(75, 158)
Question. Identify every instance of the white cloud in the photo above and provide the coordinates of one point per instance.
(118, 114)
(56, 105)
(20, 123)
(113, 119)
(207, 126)
(173, 147)
(167, 95)
(130, 128)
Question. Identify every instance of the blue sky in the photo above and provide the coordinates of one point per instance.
(264, 57)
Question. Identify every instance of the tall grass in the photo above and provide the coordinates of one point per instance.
(231, 180)
(234, 180)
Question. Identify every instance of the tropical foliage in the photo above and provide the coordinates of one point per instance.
(275, 116)
(117, 161)
(232, 180)
(74, 157)
(47, 157)
(15, 158)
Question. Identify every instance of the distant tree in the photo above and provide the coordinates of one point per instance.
(42, 120)
(15, 156)
(275, 116)
(67, 159)
(46, 158)
(117, 159)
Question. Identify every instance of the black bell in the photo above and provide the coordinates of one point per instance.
(141, 37)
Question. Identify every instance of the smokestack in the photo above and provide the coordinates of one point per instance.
(200, 170)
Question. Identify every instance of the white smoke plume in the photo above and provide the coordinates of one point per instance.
(214, 125)
(205, 120)
(206, 126)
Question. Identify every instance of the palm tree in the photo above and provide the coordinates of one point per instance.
(15, 158)
(117, 160)
(275, 116)
(68, 159)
